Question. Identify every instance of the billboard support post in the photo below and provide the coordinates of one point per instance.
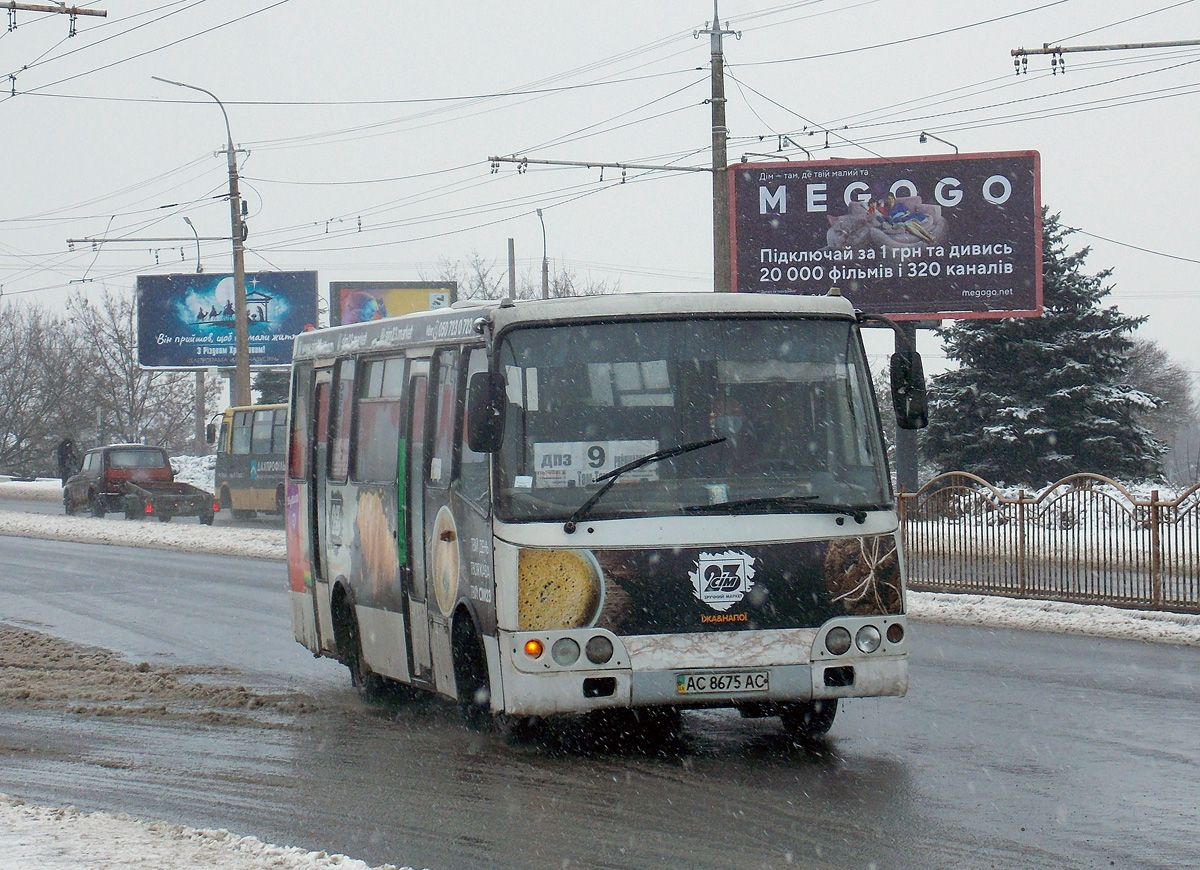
(907, 462)
(200, 448)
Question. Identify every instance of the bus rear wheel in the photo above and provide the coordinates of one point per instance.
(348, 638)
(810, 719)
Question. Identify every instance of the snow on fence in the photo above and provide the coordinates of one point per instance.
(1086, 539)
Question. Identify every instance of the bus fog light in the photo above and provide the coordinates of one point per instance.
(895, 633)
(837, 641)
(868, 638)
(599, 650)
(534, 648)
(565, 651)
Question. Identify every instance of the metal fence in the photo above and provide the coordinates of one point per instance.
(1085, 539)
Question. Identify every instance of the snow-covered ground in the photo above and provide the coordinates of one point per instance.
(43, 838)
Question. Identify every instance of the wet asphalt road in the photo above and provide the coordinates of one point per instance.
(1013, 749)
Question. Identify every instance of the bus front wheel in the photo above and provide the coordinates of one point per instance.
(470, 673)
(810, 719)
(473, 686)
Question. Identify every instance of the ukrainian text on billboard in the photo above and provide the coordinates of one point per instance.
(913, 237)
(187, 321)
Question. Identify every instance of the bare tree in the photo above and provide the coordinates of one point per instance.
(478, 278)
(130, 403)
(39, 361)
(1175, 422)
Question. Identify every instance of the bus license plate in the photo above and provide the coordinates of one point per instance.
(722, 684)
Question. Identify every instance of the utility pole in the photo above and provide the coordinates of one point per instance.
(1059, 65)
(60, 9)
(722, 256)
(722, 261)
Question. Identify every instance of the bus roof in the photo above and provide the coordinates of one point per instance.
(459, 321)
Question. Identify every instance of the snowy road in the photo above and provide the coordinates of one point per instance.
(1013, 748)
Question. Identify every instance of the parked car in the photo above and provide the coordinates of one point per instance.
(137, 479)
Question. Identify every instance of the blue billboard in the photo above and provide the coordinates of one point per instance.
(187, 321)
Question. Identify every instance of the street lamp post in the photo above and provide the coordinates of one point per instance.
(187, 220)
(241, 379)
(545, 262)
(927, 136)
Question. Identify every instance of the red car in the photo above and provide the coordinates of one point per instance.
(137, 479)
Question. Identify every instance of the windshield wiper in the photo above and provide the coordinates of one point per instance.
(803, 504)
(611, 477)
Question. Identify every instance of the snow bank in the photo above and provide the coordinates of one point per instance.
(42, 489)
(1092, 620)
(45, 838)
(184, 534)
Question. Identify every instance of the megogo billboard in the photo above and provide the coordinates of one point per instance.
(187, 321)
(912, 238)
(359, 301)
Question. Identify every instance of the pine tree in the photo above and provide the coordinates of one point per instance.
(1035, 399)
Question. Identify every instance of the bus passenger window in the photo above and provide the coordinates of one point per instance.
(241, 433)
(473, 470)
(298, 451)
(279, 431)
(339, 422)
(446, 390)
(378, 438)
(261, 431)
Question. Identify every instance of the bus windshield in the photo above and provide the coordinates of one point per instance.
(750, 414)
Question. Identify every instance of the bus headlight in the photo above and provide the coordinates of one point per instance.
(837, 641)
(599, 650)
(868, 638)
(565, 651)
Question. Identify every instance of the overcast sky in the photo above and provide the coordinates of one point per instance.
(367, 128)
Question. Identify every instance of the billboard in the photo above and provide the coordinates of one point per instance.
(187, 321)
(912, 237)
(357, 301)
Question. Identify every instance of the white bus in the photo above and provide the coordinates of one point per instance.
(641, 501)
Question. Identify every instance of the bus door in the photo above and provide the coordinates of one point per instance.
(443, 556)
(414, 513)
(315, 513)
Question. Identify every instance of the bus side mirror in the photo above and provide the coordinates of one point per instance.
(908, 390)
(210, 433)
(485, 411)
